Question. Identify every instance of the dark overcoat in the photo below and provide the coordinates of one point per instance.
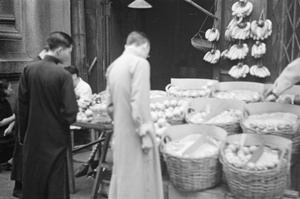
(47, 107)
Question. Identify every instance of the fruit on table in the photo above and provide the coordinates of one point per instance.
(244, 95)
(272, 122)
(239, 157)
(204, 91)
(166, 111)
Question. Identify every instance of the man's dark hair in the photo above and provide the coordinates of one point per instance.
(59, 39)
(3, 86)
(137, 38)
(73, 70)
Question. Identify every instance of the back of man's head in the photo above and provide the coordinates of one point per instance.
(73, 70)
(137, 38)
(59, 39)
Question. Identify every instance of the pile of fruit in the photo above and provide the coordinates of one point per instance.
(241, 157)
(272, 122)
(226, 117)
(197, 117)
(244, 95)
(204, 91)
(289, 99)
(166, 112)
(89, 110)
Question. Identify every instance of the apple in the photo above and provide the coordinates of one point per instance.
(169, 115)
(174, 102)
(88, 112)
(167, 103)
(154, 116)
(162, 122)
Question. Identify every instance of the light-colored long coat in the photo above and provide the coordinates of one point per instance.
(135, 174)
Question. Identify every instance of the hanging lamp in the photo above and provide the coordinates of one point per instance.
(139, 4)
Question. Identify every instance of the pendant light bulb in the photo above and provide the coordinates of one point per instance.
(139, 4)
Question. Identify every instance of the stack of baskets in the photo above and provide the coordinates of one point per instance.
(190, 174)
(257, 184)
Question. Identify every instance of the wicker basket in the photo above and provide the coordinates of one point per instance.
(217, 106)
(266, 184)
(189, 174)
(201, 44)
(292, 134)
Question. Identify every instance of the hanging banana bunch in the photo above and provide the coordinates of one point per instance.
(259, 70)
(237, 51)
(240, 31)
(239, 70)
(212, 56)
(258, 49)
(262, 28)
(242, 8)
(212, 34)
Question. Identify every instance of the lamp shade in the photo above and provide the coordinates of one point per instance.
(139, 4)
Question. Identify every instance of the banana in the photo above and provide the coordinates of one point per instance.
(212, 34)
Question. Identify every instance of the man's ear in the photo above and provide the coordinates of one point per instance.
(58, 50)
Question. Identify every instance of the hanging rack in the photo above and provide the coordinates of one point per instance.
(202, 9)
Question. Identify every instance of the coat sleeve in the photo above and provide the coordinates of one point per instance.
(22, 106)
(69, 104)
(109, 102)
(289, 76)
(140, 87)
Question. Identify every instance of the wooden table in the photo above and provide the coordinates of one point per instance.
(107, 130)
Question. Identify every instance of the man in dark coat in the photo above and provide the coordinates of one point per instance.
(16, 172)
(46, 108)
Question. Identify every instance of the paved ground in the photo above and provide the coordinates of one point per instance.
(83, 184)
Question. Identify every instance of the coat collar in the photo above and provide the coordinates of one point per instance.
(131, 50)
(51, 59)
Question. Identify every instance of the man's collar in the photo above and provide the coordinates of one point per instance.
(51, 59)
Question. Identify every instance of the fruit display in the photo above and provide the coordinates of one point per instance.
(239, 70)
(272, 122)
(179, 148)
(92, 110)
(289, 99)
(242, 8)
(241, 156)
(244, 95)
(226, 117)
(259, 71)
(198, 117)
(168, 111)
(157, 93)
(240, 31)
(236, 51)
(213, 56)
(258, 49)
(212, 34)
(204, 91)
(261, 29)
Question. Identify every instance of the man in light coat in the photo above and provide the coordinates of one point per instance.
(136, 169)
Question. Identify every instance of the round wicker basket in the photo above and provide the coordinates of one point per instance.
(258, 184)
